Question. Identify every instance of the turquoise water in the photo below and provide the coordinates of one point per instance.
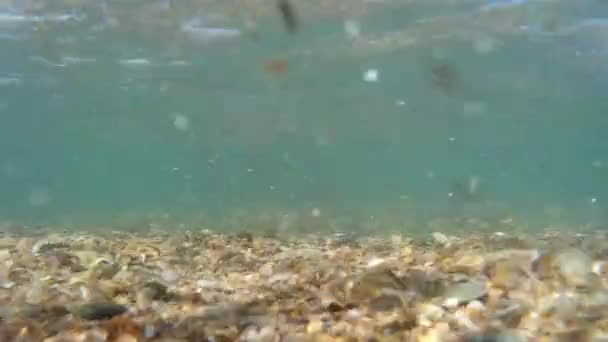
(141, 112)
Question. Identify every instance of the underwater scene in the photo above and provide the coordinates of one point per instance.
(303, 170)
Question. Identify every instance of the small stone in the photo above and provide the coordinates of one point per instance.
(407, 251)
(143, 299)
(441, 239)
(5, 255)
(314, 327)
(502, 336)
(372, 284)
(150, 331)
(466, 291)
(323, 338)
(385, 302)
(42, 312)
(451, 303)
(468, 264)
(505, 274)
(156, 290)
(126, 338)
(99, 311)
(296, 337)
(475, 310)
(575, 267)
(246, 236)
(430, 312)
(438, 333)
(600, 268)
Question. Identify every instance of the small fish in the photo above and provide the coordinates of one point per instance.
(446, 78)
(276, 66)
(288, 15)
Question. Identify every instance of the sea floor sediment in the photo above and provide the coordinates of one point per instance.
(206, 286)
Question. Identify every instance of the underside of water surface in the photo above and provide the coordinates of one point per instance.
(375, 116)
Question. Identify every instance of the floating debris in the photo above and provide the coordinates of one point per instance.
(288, 15)
(199, 30)
(276, 66)
(135, 63)
(446, 78)
(371, 75)
(352, 29)
(181, 122)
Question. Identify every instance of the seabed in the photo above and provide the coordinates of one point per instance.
(206, 286)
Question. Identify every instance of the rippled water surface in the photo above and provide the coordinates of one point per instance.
(378, 114)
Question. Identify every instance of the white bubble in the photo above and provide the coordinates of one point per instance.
(351, 28)
(316, 212)
(371, 75)
(181, 122)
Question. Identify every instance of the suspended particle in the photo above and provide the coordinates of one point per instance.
(316, 212)
(181, 122)
(371, 75)
(352, 29)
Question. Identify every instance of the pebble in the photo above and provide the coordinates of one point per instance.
(574, 266)
(441, 238)
(98, 311)
(464, 292)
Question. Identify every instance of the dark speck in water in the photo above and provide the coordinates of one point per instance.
(446, 78)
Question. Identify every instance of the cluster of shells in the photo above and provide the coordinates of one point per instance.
(204, 286)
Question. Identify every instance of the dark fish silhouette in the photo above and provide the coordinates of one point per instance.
(290, 19)
(446, 78)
